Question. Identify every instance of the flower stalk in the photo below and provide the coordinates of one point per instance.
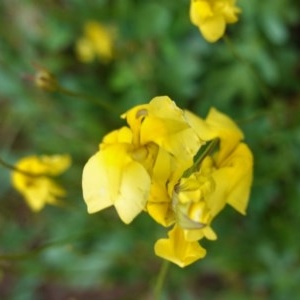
(158, 288)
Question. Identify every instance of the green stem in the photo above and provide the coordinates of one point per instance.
(199, 157)
(160, 280)
(90, 99)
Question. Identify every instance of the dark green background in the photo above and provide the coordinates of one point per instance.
(64, 253)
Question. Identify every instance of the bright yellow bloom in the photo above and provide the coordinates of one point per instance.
(233, 160)
(135, 163)
(223, 176)
(31, 179)
(181, 169)
(97, 41)
(211, 17)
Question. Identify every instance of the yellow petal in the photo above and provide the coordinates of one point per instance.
(112, 177)
(228, 10)
(197, 234)
(239, 168)
(164, 124)
(213, 28)
(96, 185)
(217, 125)
(194, 234)
(55, 164)
(233, 181)
(45, 164)
(42, 191)
(133, 192)
(177, 250)
(174, 137)
(163, 177)
(122, 135)
(199, 11)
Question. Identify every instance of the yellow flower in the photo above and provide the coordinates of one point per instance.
(181, 169)
(31, 179)
(135, 163)
(97, 41)
(177, 250)
(211, 16)
(223, 176)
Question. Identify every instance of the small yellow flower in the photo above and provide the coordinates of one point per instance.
(211, 16)
(97, 41)
(31, 179)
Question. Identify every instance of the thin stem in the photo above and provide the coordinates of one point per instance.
(200, 157)
(85, 97)
(160, 280)
(48, 82)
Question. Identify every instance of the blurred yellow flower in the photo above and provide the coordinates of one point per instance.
(31, 179)
(211, 17)
(135, 163)
(97, 41)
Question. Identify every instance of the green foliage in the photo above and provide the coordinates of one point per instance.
(64, 253)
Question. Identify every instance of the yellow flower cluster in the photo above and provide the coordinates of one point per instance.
(97, 41)
(211, 17)
(181, 169)
(32, 178)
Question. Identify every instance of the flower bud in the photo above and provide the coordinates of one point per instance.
(45, 81)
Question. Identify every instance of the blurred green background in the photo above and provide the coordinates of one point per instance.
(64, 253)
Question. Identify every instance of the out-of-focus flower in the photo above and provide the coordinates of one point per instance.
(32, 178)
(97, 41)
(211, 16)
(45, 80)
(181, 169)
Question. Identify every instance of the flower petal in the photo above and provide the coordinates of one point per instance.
(217, 125)
(133, 192)
(177, 250)
(199, 11)
(112, 177)
(239, 168)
